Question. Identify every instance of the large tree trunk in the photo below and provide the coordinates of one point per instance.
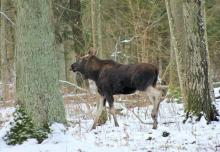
(192, 55)
(198, 95)
(4, 58)
(37, 87)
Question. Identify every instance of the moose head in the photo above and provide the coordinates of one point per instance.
(81, 62)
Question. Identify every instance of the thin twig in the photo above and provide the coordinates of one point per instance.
(146, 123)
(155, 22)
(67, 8)
(7, 18)
(74, 85)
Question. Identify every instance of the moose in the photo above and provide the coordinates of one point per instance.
(113, 78)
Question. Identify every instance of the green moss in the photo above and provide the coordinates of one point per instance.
(174, 92)
(23, 129)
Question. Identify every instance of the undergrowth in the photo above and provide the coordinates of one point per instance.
(23, 129)
(175, 94)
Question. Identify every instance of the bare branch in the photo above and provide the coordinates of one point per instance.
(146, 123)
(2, 13)
(68, 9)
(79, 88)
(129, 40)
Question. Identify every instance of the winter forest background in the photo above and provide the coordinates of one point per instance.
(46, 107)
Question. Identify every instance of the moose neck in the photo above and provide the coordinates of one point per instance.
(93, 68)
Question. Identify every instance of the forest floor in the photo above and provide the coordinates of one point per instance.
(133, 134)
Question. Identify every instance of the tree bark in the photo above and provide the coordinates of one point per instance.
(4, 58)
(37, 86)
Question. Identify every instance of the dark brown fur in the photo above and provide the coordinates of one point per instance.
(114, 78)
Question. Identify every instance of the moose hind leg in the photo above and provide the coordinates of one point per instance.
(98, 112)
(154, 96)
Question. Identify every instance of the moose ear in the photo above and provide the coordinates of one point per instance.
(92, 51)
(77, 57)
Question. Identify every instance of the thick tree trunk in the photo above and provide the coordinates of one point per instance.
(192, 55)
(198, 95)
(37, 87)
(4, 58)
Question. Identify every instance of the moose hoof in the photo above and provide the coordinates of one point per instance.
(93, 127)
(116, 125)
(154, 126)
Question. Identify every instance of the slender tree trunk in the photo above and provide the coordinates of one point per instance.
(4, 58)
(37, 86)
(192, 55)
(97, 42)
(59, 47)
(173, 51)
(99, 28)
(77, 31)
(70, 53)
(177, 37)
(173, 79)
(93, 20)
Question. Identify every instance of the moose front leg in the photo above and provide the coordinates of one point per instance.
(99, 112)
(154, 113)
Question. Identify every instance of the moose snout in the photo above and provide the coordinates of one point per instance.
(73, 68)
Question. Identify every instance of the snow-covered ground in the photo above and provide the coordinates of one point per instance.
(132, 135)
